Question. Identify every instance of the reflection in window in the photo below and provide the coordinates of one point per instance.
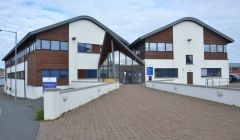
(189, 59)
(211, 72)
(83, 47)
(169, 47)
(166, 72)
(213, 48)
(152, 46)
(161, 47)
(46, 44)
(55, 45)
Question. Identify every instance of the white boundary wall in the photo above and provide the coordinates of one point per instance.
(57, 101)
(221, 95)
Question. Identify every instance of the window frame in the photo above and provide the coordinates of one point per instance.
(207, 72)
(186, 59)
(85, 46)
(167, 70)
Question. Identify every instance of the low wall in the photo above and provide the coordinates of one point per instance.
(84, 83)
(57, 101)
(221, 95)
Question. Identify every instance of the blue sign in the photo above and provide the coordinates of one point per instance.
(49, 82)
(149, 70)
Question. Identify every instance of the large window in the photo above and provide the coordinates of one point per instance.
(84, 47)
(87, 73)
(58, 73)
(64, 46)
(166, 72)
(161, 47)
(214, 48)
(189, 59)
(211, 72)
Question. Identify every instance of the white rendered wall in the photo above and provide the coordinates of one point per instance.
(85, 32)
(56, 102)
(221, 95)
(181, 47)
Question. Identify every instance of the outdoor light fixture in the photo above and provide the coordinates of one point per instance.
(189, 40)
(74, 38)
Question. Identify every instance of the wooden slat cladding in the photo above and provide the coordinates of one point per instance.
(163, 36)
(158, 55)
(215, 56)
(213, 38)
(95, 48)
(45, 59)
(60, 33)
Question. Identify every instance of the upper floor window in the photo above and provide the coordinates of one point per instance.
(45, 44)
(189, 59)
(158, 47)
(214, 48)
(55, 45)
(64, 46)
(84, 47)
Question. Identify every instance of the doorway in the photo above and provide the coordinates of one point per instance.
(190, 78)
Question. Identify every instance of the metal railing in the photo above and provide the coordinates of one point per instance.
(222, 82)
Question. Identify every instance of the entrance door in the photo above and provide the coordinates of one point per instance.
(189, 78)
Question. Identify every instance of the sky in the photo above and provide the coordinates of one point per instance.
(128, 18)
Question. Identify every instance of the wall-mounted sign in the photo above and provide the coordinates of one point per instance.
(149, 70)
(49, 82)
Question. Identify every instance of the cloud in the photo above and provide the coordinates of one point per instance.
(130, 19)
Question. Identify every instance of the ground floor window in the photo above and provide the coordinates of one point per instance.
(166, 72)
(211, 72)
(87, 73)
(58, 73)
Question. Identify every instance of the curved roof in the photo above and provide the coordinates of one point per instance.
(84, 17)
(230, 40)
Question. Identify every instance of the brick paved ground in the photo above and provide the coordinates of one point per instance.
(134, 112)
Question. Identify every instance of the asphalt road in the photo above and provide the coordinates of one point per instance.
(17, 119)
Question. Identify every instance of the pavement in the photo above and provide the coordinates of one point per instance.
(134, 112)
(17, 119)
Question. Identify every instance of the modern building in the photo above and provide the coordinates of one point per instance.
(1, 77)
(234, 68)
(82, 49)
(186, 51)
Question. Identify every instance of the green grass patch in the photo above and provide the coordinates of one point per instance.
(39, 115)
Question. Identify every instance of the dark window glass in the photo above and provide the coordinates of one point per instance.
(211, 72)
(87, 74)
(166, 72)
(189, 59)
(213, 48)
(83, 47)
(161, 47)
(45, 73)
(55, 45)
(64, 46)
(206, 48)
(63, 73)
(54, 73)
(46, 44)
(169, 47)
(220, 48)
(152, 46)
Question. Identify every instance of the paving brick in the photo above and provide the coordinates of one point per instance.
(135, 112)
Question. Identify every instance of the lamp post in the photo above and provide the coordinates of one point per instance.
(15, 62)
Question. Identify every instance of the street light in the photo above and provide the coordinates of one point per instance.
(15, 62)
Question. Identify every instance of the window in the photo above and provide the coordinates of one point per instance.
(55, 45)
(189, 59)
(169, 47)
(46, 44)
(161, 47)
(58, 73)
(213, 48)
(38, 44)
(220, 48)
(147, 46)
(87, 74)
(206, 48)
(83, 47)
(211, 72)
(64, 46)
(152, 46)
(166, 72)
